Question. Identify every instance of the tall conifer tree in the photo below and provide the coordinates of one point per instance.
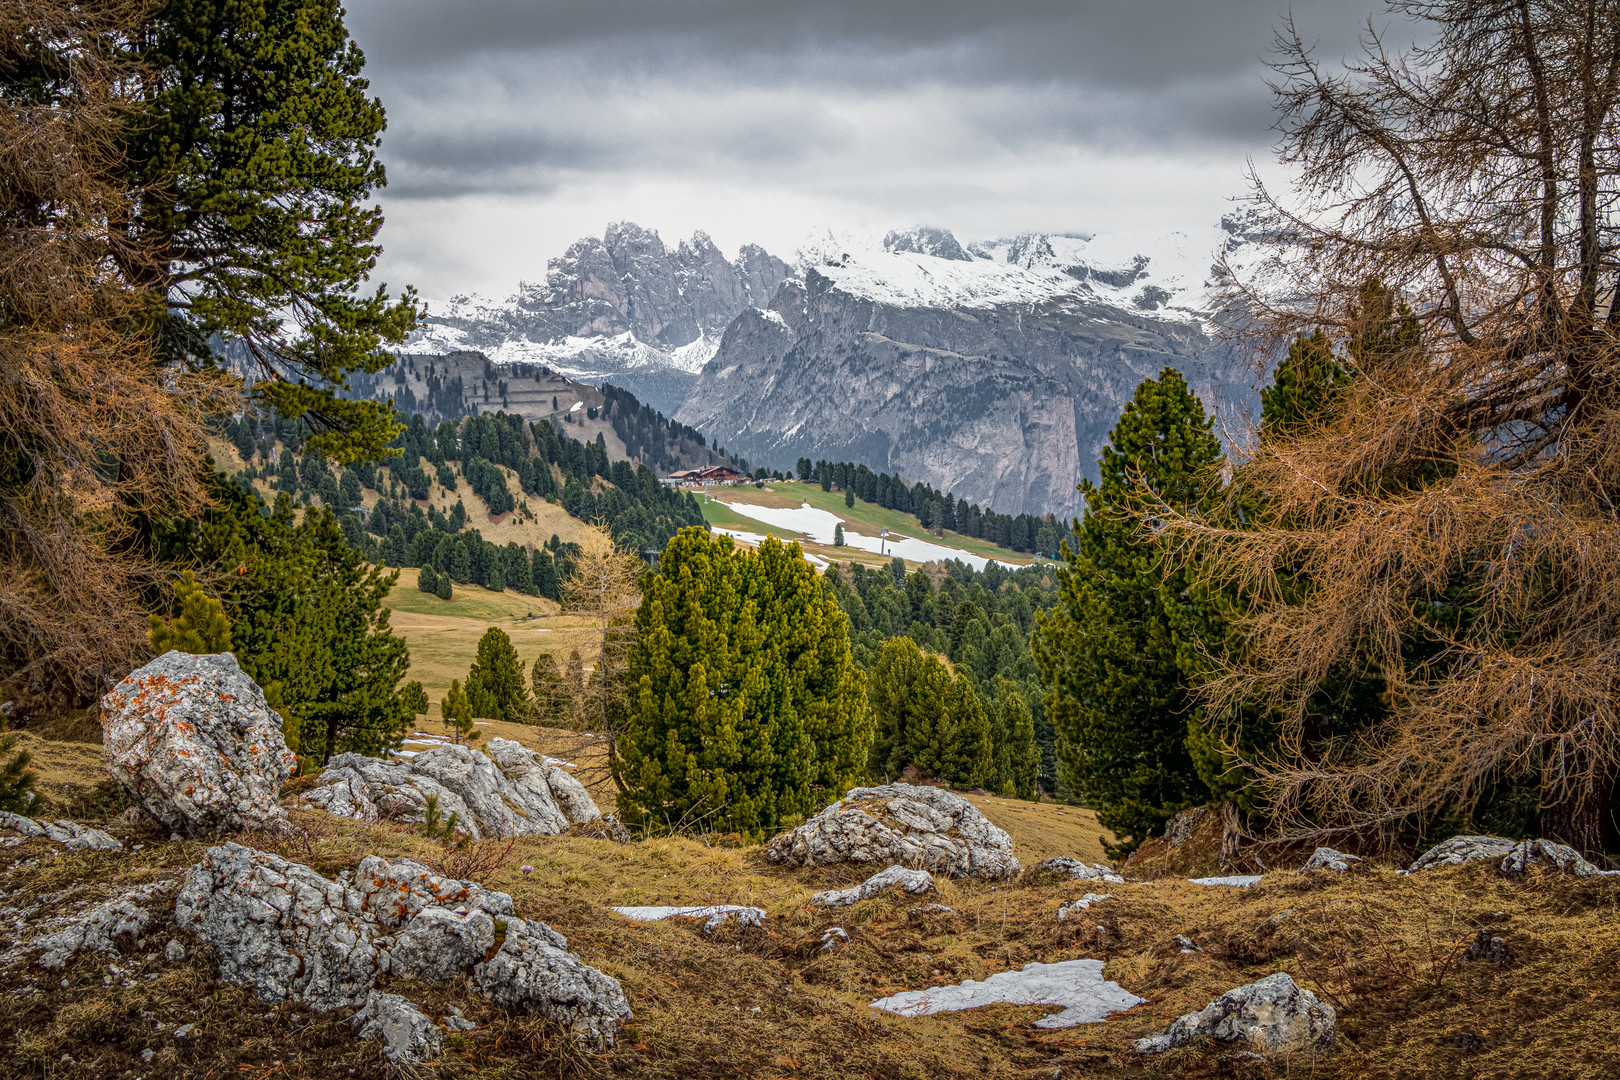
(747, 710)
(1116, 693)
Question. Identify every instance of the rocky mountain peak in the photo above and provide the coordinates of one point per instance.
(925, 240)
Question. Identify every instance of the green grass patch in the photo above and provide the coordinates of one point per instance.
(468, 601)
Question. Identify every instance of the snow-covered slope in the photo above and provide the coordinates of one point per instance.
(623, 308)
(1171, 274)
(994, 371)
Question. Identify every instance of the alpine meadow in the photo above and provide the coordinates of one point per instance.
(528, 548)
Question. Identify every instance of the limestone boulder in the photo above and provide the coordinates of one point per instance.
(901, 824)
(407, 1034)
(193, 742)
(287, 933)
(1272, 1014)
(510, 791)
(915, 882)
(1560, 857)
(98, 929)
(280, 929)
(70, 834)
(534, 971)
(1325, 858)
(1463, 849)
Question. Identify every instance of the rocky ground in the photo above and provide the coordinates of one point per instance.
(130, 949)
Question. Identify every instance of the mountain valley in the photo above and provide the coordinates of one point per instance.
(994, 370)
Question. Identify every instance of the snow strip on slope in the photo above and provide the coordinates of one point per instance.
(1075, 985)
(818, 525)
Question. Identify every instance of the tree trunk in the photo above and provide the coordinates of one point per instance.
(1575, 812)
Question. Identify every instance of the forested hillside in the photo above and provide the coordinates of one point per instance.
(937, 510)
(495, 460)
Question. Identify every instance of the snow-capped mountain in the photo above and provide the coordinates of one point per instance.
(993, 370)
(623, 308)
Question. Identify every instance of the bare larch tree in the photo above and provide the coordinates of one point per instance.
(1451, 525)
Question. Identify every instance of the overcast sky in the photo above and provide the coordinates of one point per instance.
(516, 126)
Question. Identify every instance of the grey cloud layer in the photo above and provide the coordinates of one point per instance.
(504, 95)
(913, 109)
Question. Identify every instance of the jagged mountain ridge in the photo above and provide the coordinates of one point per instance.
(993, 370)
(1008, 404)
(623, 308)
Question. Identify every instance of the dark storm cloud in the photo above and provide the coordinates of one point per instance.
(530, 89)
(994, 115)
(1131, 42)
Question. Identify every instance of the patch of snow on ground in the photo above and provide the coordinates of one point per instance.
(1236, 881)
(818, 525)
(1077, 986)
(653, 914)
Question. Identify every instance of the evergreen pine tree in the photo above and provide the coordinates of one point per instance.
(413, 698)
(1021, 763)
(906, 693)
(545, 575)
(456, 709)
(965, 740)
(201, 626)
(17, 780)
(838, 534)
(460, 563)
(428, 579)
(495, 688)
(307, 619)
(443, 589)
(748, 710)
(258, 130)
(1107, 651)
(849, 497)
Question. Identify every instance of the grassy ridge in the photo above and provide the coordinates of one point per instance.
(864, 517)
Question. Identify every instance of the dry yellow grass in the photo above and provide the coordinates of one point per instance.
(1046, 829)
(1383, 949)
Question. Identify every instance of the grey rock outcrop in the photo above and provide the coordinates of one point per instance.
(1269, 1015)
(281, 929)
(1180, 828)
(902, 824)
(285, 932)
(70, 834)
(1082, 904)
(1325, 858)
(533, 971)
(1006, 404)
(1560, 857)
(510, 791)
(97, 928)
(193, 742)
(1079, 871)
(1463, 849)
(437, 944)
(915, 882)
(407, 1034)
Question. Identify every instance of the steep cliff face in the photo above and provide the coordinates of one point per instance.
(1007, 401)
(992, 370)
(623, 308)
